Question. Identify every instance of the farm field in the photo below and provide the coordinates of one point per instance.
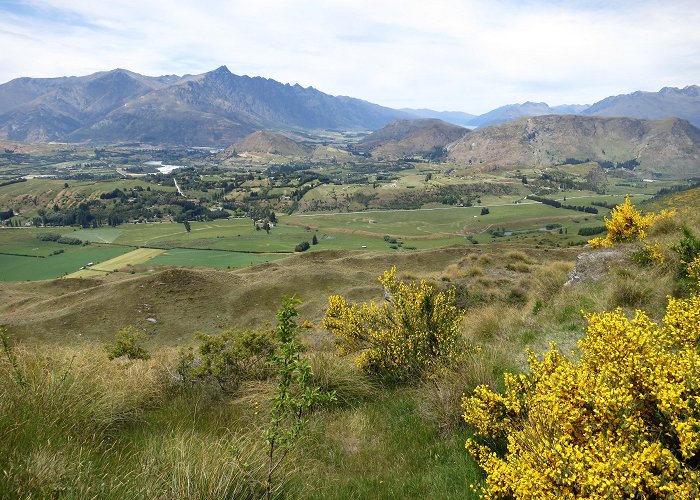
(20, 268)
(23, 241)
(419, 229)
(209, 258)
(138, 256)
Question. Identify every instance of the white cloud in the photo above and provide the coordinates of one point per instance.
(446, 54)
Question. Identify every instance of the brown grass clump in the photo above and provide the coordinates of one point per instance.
(492, 322)
(518, 256)
(519, 267)
(550, 278)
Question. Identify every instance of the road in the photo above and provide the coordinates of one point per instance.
(178, 189)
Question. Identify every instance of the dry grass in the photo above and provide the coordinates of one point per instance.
(550, 278)
(494, 322)
(332, 373)
(440, 397)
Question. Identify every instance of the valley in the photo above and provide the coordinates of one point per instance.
(254, 206)
(146, 268)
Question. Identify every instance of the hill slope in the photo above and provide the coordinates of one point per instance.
(410, 137)
(264, 141)
(670, 146)
(214, 108)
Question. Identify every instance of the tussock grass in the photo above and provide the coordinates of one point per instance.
(332, 373)
(59, 414)
(493, 322)
(441, 396)
(191, 464)
(518, 256)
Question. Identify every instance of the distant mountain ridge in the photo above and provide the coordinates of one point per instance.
(219, 108)
(454, 117)
(670, 146)
(668, 102)
(214, 108)
(512, 112)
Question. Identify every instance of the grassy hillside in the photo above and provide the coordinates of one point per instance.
(76, 424)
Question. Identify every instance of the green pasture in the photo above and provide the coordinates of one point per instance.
(100, 235)
(24, 241)
(438, 223)
(208, 258)
(16, 268)
(44, 186)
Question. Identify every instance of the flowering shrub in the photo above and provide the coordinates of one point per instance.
(627, 223)
(414, 329)
(693, 269)
(621, 421)
(650, 254)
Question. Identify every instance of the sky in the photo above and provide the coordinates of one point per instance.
(457, 55)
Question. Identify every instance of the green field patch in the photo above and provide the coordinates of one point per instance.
(16, 268)
(24, 241)
(101, 235)
(209, 258)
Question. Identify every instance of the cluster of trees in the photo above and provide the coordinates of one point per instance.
(591, 231)
(604, 204)
(65, 240)
(302, 247)
(558, 204)
(119, 206)
(628, 165)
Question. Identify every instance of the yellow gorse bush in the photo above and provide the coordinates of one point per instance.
(410, 332)
(626, 223)
(621, 421)
(693, 269)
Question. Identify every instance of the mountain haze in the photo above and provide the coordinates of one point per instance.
(454, 117)
(512, 112)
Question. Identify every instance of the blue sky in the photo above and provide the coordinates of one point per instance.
(466, 55)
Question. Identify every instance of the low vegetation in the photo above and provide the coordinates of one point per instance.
(247, 410)
(620, 420)
(415, 329)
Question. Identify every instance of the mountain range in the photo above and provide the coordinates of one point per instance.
(219, 108)
(214, 108)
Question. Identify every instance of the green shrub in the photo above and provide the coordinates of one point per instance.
(68, 240)
(128, 343)
(228, 358)
(48, 236)
(688, 248)
(592, 231)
